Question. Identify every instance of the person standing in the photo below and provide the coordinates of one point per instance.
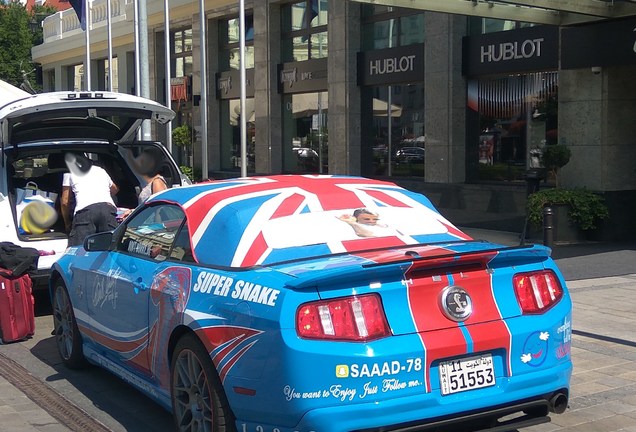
(92, 190)
(148, 165)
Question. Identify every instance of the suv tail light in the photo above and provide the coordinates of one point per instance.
(537, 291)
(356, 318)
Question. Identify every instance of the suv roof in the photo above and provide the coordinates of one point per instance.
(113, 117)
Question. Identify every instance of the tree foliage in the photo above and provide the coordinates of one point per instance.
(20, 30)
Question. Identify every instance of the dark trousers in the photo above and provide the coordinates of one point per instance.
(95, 218)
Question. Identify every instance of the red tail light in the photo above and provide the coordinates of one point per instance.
(538, 291)
(356, 318)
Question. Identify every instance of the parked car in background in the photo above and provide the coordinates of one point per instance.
(317, 303)
(36, 130)
(410, 155)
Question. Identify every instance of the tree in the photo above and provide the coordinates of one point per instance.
(17, 38)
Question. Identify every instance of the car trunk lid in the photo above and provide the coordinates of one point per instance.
(440, 285)
(112, 117)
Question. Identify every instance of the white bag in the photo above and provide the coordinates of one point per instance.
(32, 190)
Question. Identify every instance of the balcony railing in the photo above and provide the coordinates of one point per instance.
(66, 23)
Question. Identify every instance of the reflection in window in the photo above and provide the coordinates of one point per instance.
(518, 116)
(304, 27)
(182, 52)
(151, 233)
(392, 28)
(395, 145)
(305, 133)
(231, 134)
(229, 43)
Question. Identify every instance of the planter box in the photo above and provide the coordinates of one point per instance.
(563, 230)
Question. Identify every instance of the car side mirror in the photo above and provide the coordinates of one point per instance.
(98, 242)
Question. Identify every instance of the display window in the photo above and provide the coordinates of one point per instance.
(230, 105)
(231, 134)
(518, 117)
(392, 62)
(306, 138)
(304, 30)
(395, 145)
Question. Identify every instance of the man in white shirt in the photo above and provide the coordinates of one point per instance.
(92, 190)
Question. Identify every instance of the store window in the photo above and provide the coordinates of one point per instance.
(305, 129)
(396, 138)
(229, 37)
(182, 40)
(304, 28)
(518, 116)
(230, 105)
(231, 134)
(388, 27)
(181, 95)
(478, 25)
(392, 99)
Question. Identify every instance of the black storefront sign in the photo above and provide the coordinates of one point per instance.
(391, 65)
(515, 51)
(303, 77)
(228, 84)
(608, 43)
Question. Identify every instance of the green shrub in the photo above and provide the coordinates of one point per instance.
(586, 208)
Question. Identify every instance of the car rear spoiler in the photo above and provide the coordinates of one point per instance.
(488, 257)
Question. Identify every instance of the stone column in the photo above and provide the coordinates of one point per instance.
(596, 121)
(445, 99)
(343, 118)
(267, 100)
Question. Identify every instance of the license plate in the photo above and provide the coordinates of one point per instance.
(466, 374)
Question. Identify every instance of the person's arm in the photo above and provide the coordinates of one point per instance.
(65, 207)
(158, 184)
(113, 189)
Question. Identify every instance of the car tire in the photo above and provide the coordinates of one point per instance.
(65, 330)
(198, 400)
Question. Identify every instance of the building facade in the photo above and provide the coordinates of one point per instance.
(455, 106)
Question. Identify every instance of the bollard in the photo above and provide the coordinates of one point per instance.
(548, 221)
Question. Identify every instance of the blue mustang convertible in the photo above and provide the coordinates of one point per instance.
(317, 303)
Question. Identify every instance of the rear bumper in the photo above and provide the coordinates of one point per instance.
(523, 400)
(497, 419)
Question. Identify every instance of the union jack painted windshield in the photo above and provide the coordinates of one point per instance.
(263, 220)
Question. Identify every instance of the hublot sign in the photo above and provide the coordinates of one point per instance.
(525, 50)
(391, 66)
(511, 50)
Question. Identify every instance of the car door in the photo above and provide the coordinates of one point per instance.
(119, 288)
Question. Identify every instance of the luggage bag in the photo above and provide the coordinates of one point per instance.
(17, 317)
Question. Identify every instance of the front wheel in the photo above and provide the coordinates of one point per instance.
(198, 400)
(67, 336)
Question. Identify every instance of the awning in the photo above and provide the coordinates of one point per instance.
(10, 93)
(553, 12)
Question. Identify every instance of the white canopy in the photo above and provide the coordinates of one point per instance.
(10, 93)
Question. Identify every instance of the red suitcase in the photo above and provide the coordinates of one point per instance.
(17, 318)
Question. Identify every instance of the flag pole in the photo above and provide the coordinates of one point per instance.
(203, 103)
(144, 70)
(243, 91)
(87, 61)
(166, 30)
(137, 58)
(110, 46)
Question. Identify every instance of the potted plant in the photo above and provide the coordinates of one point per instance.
(575, 211)
(555, 157)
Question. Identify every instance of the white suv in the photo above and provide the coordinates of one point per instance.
(36, 129)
